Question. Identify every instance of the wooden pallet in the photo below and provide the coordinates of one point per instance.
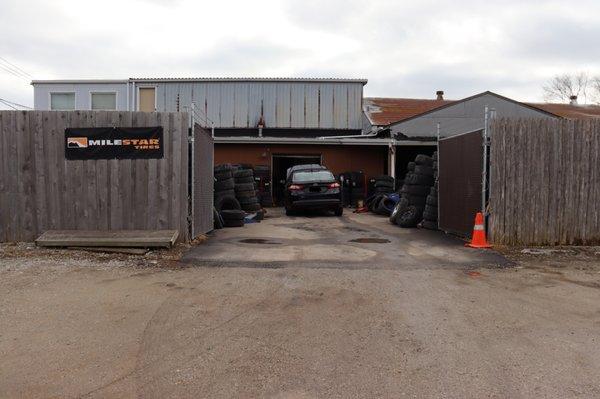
(113, 238)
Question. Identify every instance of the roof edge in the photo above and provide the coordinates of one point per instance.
(77, 81)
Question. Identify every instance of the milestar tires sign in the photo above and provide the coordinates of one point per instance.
(114, 143)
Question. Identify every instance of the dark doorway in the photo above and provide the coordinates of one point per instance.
(281, 163)
(406, 154)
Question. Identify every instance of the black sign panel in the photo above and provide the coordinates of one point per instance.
(114, 143)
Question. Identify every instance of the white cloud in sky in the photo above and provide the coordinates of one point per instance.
(405, 49)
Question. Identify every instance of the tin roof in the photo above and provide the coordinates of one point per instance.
(255, 79)
(383, 111)
(569, 111)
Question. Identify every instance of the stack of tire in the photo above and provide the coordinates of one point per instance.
(384, 184)
(413, 194)
(430, 214)
(262, 177)
(245, 190)
(228, 211)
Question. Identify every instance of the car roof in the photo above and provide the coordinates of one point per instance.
(307, 167)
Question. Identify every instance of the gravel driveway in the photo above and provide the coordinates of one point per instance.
(418, 316)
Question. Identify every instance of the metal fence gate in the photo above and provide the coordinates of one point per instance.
(460, 169)
(202, 181)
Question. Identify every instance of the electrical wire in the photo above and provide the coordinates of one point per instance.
(16, 67)
(9, 103)
(4, 102)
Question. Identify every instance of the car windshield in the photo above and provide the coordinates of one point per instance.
(310, 176)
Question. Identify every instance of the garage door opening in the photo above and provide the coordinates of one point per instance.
(281, 163)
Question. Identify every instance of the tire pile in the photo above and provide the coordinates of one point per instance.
(383, 201)
(245, 190)
(408, 212)
(430, 214)
(262, 176)
(228, 211)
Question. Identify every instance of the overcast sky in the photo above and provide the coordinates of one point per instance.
(404, 48)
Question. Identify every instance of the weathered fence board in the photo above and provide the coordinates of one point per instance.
(545, 182)
(41, 190)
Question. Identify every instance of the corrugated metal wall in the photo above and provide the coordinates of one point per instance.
(310, 105)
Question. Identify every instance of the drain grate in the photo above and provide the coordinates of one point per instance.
(370, 240)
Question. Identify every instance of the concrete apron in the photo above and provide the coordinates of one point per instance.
(354, 241)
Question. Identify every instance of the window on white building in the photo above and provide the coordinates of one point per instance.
(62, 101)
(104, 101)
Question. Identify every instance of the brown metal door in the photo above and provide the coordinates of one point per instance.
(460, 169)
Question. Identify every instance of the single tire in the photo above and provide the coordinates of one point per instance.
(385, 178)
(222, 185)
(252, 207)
(385, 207)
(243, 180)
(431, 200)
(339, 211)
(248, 201)
(223, 175)
(384, 183)
(233, 223)
(409, 217)
(224, 193)
(217, 220)
(422, 159)
(233, 214)
(415, 200)
(418, 179)
(424, 170)
(223, 167)
(429, 225)
(403, 203)
(243, 173)
(245, 194)
(432, 217)
(244, 187)
(226, 202)
(433, 192)
(411, 166)
(418, 190)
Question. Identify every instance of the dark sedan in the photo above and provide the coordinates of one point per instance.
(312, 188)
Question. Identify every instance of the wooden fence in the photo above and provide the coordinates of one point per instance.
(545, 182)
(41, 190)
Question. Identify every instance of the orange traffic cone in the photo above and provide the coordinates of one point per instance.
(479, 240)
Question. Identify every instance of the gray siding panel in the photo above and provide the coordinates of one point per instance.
(239, 104)
(326, 107)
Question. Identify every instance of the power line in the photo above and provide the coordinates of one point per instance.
(4, 102)
(13, 73)
(7, 102)
(16, 67)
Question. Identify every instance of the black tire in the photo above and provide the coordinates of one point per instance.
(411, 166)
(431, 200)
(433, 192)
(252, 207)
(217, 220)
(436, 184)
(225, 193)
(384, 178)
(418, 179)
(222, 185)
(429, 225)
(233, 223)
(384, 183)
(424, 170)
(339, 211)
(418, 190)
(385, 207)
(223, 175)
(403, 203)
(245, 194)
(226, 202)
(435, 156)
(289, 212)
(244, 180)
(244, 187)
(432, 217)
(422, 159)
(248, 200)
(410, 216)
(223, 167)
(233, 214)
(436, 175)
(375, 203)
(415, 200)
(243, 173)
(434, 165)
